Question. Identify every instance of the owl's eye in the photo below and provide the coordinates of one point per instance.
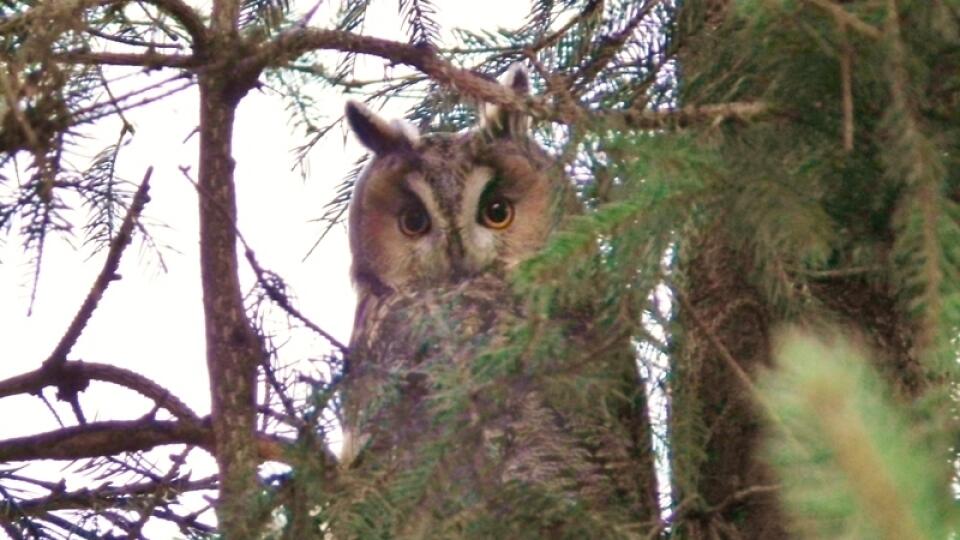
(496, 213)
(414, 221)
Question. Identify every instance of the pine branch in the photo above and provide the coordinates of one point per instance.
(179, 10)
(611, 45)
(418, 16)
(852, 21)
(850, 463)
(104, 496)
(927, 230)
(294, 43)
(113, 437)
(267, 13)
(277, 296)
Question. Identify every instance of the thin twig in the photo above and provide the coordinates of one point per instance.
(274, 294)
(281, 300)
(610, 46)
(851, 20)
(81, 373)
(689, 507)
(157, 498)
(107, 274)
(838, 272)
(846, 78)
(149, 60)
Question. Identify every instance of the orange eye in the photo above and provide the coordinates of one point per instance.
(496, 213)
(414, 221)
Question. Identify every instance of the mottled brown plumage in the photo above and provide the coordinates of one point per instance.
(437, 222)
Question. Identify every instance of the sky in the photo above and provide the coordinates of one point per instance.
(151, 320)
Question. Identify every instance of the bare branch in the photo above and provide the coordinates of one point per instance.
(281, 300)
(149, 59)
(80, 373)
(107, 274)
(187, 16)
(292, 44)
(298, 41)
(106, 495)
(179, 10)
(104, 438)
(116, 436)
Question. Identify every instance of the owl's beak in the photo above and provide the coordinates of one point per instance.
(460, 265)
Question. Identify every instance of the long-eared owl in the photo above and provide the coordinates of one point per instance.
(437, 221)
(432, 210)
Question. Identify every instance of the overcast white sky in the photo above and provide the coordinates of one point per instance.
(151, 321)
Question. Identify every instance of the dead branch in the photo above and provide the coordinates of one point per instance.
(178, 10)
(117, 436)
(292, 44)
(107, 274)
(149, 60)
(281, 300)
(104, 496)
(79, 374)
(104, 438)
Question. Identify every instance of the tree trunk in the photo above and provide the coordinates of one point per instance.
(233, 350)
(717, 425)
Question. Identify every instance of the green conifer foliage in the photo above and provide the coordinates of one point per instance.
(738, 167)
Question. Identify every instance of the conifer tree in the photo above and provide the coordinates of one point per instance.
(770, 216)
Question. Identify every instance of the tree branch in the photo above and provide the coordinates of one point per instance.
(81, 373)
(281, 300)
(104, 438)
(611, 45)
(225, 18)
(103, 496)
(291, 44)
(186, 16)
(149, 60)
(843, 15)
(107, 274)
(684, 116)
(178, 10)
(116, 436)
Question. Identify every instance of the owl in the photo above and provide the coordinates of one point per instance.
(437, 222)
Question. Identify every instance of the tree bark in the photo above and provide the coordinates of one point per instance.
(233, 349)
(717, 424)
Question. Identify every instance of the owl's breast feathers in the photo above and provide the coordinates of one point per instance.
(453, 368)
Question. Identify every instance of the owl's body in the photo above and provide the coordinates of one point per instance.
(437, 222)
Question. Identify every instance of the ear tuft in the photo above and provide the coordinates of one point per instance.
(517, 78)
(377, 134)
(500, 122)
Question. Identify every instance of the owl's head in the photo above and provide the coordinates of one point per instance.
(439, 207)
